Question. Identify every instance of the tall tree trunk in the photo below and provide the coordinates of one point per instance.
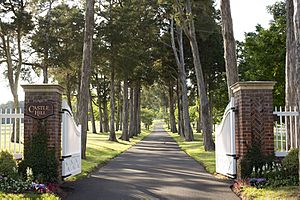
(69, 97)
(135, 108)
(229, 46)
(121, 115)
(296, 19)
(45, 73)
(290, 75)
(180, 117)
(112, 135)
(172, 111)
(47, 41)
(199, 125)
(16, 124)
(131, 112)
(78, 96)
(100, 114)
(13, 73)
(85, 75)
(139, 111)
(125, 135)
(119, 107)
(182, 77)
(290, 67)
(205, 113)
(105, 116)
(92, 114)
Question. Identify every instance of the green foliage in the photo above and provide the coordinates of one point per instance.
(40, 159)
(28, 196)
(262, 56)
(10, 181)
(291, 162)
(8, 165)
(193, 110)
(288, 193)
(14, 185)
(277, 174)
(147, 117)
(154, 98)
(254, 159)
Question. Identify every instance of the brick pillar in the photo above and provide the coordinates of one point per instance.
(43, 105)
(253, 118)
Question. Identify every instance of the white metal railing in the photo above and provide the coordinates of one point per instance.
(12, 131)
(285, 130)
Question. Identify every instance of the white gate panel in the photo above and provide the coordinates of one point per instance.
(225, 143)
(71, 143)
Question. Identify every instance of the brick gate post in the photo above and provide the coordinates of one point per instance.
(254, 117)
(43, 105)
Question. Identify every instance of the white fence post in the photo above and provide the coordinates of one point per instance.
(11, 123)
(288, 136)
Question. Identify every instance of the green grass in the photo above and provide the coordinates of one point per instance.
(195, 149)
(28, 196)
(100, 151)
(286, 193)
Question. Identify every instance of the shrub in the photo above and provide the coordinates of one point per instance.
(14, 185)
(8, 165)
(291, 162)
(40, 159)
(10, 181)
(147, 117)
(254, 159)
(277, 174)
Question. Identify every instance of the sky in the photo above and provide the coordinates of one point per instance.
(246, 14)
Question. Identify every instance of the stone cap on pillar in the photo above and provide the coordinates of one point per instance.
(253, 85)
(43, 88)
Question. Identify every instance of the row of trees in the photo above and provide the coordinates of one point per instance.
(109, 53)
(132, 44)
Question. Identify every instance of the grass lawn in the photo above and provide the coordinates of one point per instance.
(28, 196)
(196, 150)
(286, 193)
(99, 152)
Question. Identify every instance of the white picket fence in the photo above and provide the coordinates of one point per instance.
(285, 133)
(11, 124)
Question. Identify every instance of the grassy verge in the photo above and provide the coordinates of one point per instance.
(195, 149)
(100, 151)
(287, 193)
(28, 196)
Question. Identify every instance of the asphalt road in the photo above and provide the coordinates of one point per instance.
(155, 168)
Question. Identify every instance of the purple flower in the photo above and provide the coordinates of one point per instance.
(254, 181)
(260, 180)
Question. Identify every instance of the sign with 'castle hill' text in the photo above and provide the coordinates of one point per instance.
(40, 110)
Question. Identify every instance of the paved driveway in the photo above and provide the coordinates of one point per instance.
(155, 168)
